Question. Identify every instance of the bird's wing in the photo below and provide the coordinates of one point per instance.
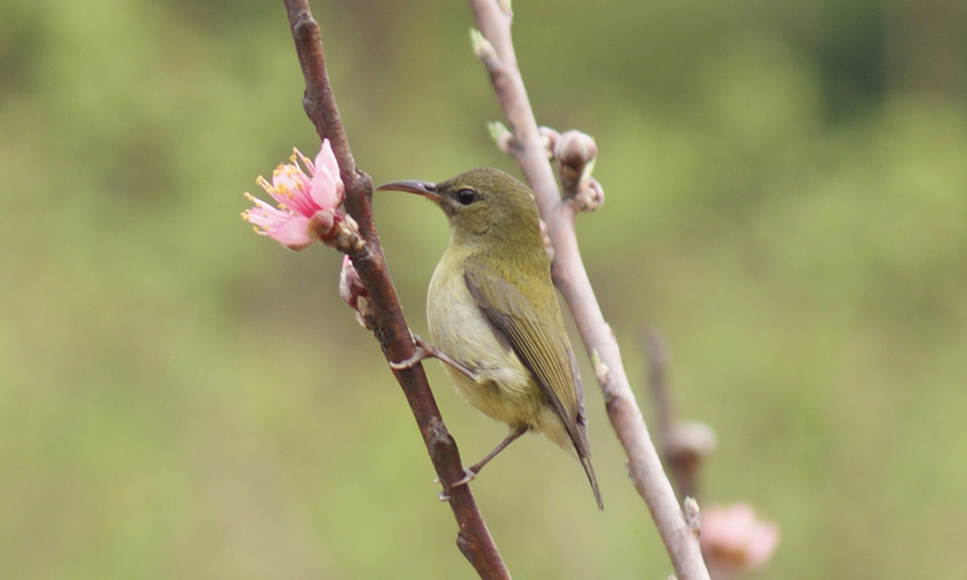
(542, 349)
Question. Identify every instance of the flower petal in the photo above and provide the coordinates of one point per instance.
(281, 225)
(292, 233)
(326, 159)
(264, 216)
(327, 189)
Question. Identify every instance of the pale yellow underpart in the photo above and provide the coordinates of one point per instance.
(504, 389)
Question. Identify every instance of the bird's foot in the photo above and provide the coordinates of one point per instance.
(421, 352)
(469, 473)
(426, 350)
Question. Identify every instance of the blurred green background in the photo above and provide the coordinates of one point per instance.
(786, 203)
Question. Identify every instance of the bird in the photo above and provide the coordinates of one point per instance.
(494, 318)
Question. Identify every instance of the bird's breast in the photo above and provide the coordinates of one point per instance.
(504, 388)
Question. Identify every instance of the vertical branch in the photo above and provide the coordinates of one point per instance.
(473, 539)
(683, 445)
(496, 50)
(657, 355)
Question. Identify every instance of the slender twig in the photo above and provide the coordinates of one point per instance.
(473, 539)
(679, 465)
(681, 541)
(683, 445)
(657, 355)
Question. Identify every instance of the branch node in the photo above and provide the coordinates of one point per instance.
(549, 138)
(693, 515)
(501, 136)
(548, 246)
(438, 438)
(484, 50)
(337, 230)
(464, 546)
(304, 25)
(505, 7)
(603, 372)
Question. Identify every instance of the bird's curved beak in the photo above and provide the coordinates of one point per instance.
(424, 188)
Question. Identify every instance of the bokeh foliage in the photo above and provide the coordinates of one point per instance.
(786, 202)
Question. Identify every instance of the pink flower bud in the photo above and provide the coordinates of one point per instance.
(734, 539)
(354, 294)
(574, 154)
(575, 149)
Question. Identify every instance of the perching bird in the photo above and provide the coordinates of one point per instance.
(491, 307)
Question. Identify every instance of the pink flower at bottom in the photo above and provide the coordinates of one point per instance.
(734, 538)
(300, 194)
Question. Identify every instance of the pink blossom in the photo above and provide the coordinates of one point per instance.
(300, 196)
(733, 538)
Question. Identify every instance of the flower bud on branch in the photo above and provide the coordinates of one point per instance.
(548, 246)
(501, 135)
(686, 446)
(484, 50)
(354, 294)
(574, 154)
(735, 540)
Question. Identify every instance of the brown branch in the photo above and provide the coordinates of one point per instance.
(644, 466)
(473, 539)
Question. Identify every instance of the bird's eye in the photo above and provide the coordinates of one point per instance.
(466, 196)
